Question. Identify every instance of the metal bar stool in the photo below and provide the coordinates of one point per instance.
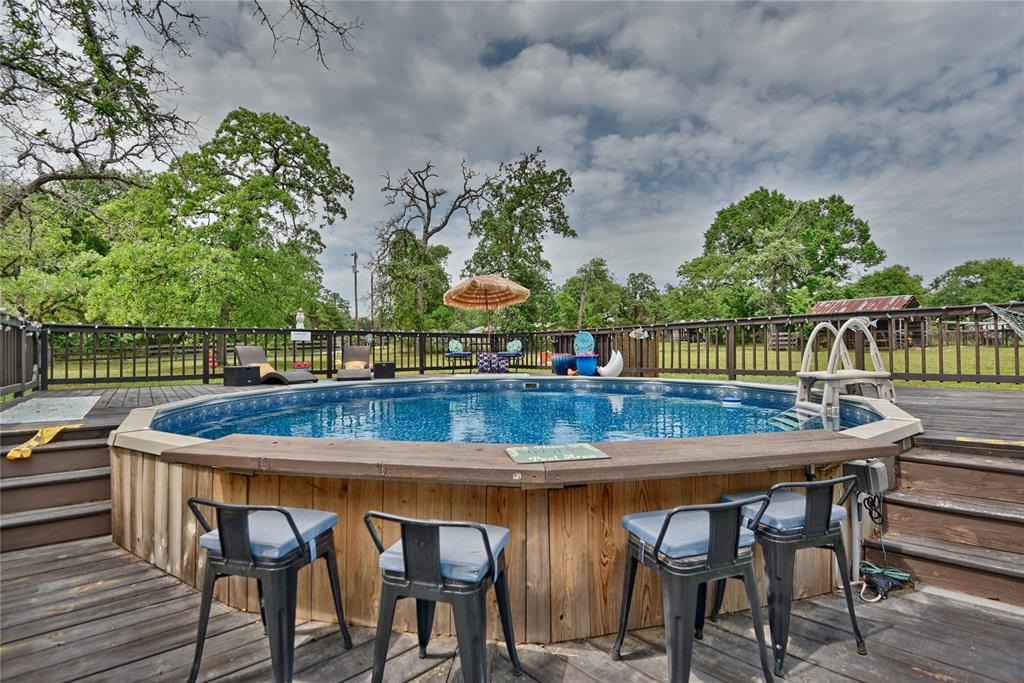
(454, 562)
(792, 522)
(269, 544)
(688, 546)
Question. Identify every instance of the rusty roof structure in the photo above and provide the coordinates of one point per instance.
(872, 303)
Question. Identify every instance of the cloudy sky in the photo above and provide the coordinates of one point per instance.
(663, 113)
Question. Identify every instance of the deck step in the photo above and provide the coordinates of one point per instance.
(20, 494)
(59, 456)
(987, 573)
(997, 525)
(967, 474)
(9, 438)
(980, 445)
(54, 524)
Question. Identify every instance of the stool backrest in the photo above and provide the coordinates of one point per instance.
(233, 527)
(818, 505)
(421, 545)
(724, 520)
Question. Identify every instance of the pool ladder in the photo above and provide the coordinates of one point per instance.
(840, 373)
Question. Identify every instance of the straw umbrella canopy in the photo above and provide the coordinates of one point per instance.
(486, 293)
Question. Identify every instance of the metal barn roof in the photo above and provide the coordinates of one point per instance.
(873, 303)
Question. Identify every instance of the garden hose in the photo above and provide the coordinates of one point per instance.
(880, 580)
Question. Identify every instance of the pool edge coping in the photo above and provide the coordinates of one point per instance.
(135, 433)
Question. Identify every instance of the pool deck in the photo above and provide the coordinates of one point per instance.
(88, 610)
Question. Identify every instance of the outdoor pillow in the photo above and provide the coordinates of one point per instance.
(270, 537)
(355, 365)
(265, 368)
(687, 534)
(455, 346)
(463, 556)
(785, 512)
(514, 346)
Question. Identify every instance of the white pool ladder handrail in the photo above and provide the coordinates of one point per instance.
(840, 371)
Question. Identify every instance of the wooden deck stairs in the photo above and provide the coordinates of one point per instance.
(61, 493)
(956, 520)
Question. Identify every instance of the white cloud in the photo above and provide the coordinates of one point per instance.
(663, 113)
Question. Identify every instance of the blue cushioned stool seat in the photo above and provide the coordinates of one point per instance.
(271, 538)
(463, 556)
(687, 534)
(458, 354)
(785, 512)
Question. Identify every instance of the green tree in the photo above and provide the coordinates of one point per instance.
(82, 101)
(526, 203)
(891, 281)
(590, 298)
(410, 281)
(993, 281)
(329, 311)
(641, 299)
(710, 286)
(766, 246)
(228, 236)
(52, 251)
(424, 210)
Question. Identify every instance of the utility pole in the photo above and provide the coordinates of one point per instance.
(371, 299)
(355, 285)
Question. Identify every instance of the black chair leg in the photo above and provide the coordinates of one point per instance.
(424, 623)
(263, 607)
(719, 599)
(209, 579)
(332, 571)
(844, 575)
(754, 598)
(702, 608)
(505, 614)
(680, 601)
(386, 617)
(779, 560)
(281, 605)
(627, 598)
(470, 613)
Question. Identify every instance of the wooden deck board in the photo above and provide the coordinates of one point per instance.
(145, 631)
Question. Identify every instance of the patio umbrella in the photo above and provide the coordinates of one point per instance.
(486, 293)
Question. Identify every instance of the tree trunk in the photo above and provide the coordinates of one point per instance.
(583, 304)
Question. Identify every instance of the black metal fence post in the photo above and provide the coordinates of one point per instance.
(206, 357)
(421, 342)
(44, 359)
(730, 351)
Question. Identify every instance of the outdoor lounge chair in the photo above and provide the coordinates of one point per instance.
(353, 356)
(255, 356)
(456, 353)
(513, 351)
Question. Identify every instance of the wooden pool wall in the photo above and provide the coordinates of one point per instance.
(565, 556)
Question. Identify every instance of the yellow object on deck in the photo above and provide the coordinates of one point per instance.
(42, 437)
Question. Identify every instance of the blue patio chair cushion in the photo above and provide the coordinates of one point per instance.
(785, 512)
(463, 556)
(687, 534)
(271, 538)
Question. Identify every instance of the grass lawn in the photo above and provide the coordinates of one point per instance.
(678, 355)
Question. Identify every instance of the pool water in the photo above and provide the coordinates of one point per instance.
(503, 416)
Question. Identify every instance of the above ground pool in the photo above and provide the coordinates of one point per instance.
(507, 410)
